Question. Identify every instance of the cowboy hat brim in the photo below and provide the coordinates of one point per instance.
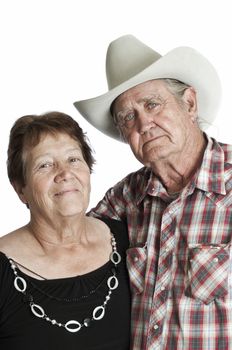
(184, 64)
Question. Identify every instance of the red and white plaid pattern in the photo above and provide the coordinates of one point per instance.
(208, 272)
(179, 259)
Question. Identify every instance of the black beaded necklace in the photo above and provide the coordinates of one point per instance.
(72, 326)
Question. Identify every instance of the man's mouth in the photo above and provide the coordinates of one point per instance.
(152, 139)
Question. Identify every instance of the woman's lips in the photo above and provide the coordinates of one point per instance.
(64, 192)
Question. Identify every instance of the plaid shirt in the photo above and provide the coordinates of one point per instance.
(179, 259)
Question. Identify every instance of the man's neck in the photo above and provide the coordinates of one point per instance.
(176, 172)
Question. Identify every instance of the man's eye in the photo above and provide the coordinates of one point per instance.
(129, 117)
(152, 105)
(127, 120)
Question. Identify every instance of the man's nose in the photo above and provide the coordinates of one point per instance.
(144, 122)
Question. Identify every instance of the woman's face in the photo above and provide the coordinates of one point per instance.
(57, 178)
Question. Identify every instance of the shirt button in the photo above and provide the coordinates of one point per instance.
(215, 259)
(136, 259)
(163, 288)
(156, 326)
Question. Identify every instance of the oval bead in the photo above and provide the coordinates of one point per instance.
(96, 310)
(24, 284)
(37, 310)
(72, 329)
(115, 284)
(115, 257)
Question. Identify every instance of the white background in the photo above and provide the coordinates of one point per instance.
(52, 53)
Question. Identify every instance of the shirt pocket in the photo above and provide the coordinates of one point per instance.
(136, 265)
(208, 271)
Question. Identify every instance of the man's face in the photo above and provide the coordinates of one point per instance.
(154, 122)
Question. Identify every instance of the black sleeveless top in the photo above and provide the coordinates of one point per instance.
(66, 299)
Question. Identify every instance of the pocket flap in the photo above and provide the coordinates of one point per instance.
(208, 271)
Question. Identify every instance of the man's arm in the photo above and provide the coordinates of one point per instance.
(120, 200)
(113, 205)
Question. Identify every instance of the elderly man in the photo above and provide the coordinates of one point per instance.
(178, 206)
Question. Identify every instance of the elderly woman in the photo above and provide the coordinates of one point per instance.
(63, 279)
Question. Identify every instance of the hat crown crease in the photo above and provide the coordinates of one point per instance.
(127, 57)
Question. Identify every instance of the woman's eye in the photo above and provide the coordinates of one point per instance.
(45, 165)
(74, 160)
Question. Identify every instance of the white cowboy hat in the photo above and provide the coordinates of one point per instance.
(129, 62)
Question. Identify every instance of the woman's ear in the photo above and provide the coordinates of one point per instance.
(20, 192)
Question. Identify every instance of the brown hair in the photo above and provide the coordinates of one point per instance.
(27, 131)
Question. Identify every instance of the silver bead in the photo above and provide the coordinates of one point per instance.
(115, 282)
(101, 314)
(71, 323)
(37, 310)
(115, 257)
(23, 282)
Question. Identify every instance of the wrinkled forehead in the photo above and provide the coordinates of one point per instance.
(38, 138)
(138, 93)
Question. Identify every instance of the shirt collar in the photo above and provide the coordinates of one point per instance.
(210, 177)
(144, 183)
(150, 185)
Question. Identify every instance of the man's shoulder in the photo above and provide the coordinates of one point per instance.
(132, 185)
(143, 174)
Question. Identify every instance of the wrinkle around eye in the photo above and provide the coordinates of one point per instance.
(44, 169)
(129, 117)
(44, 166)
(74, 160)
(153, 105)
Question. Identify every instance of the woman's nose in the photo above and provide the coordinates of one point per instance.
(63, 173)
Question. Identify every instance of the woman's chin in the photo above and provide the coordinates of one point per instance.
(71, 210)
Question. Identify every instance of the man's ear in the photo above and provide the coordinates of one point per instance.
(190, 100)
(20, 192)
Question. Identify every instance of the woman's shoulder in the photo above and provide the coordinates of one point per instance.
(4, 269)
(6, 241)
(118, 229)
(11, 242)
(6, 248)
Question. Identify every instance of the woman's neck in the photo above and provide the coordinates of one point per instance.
(62, 234)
